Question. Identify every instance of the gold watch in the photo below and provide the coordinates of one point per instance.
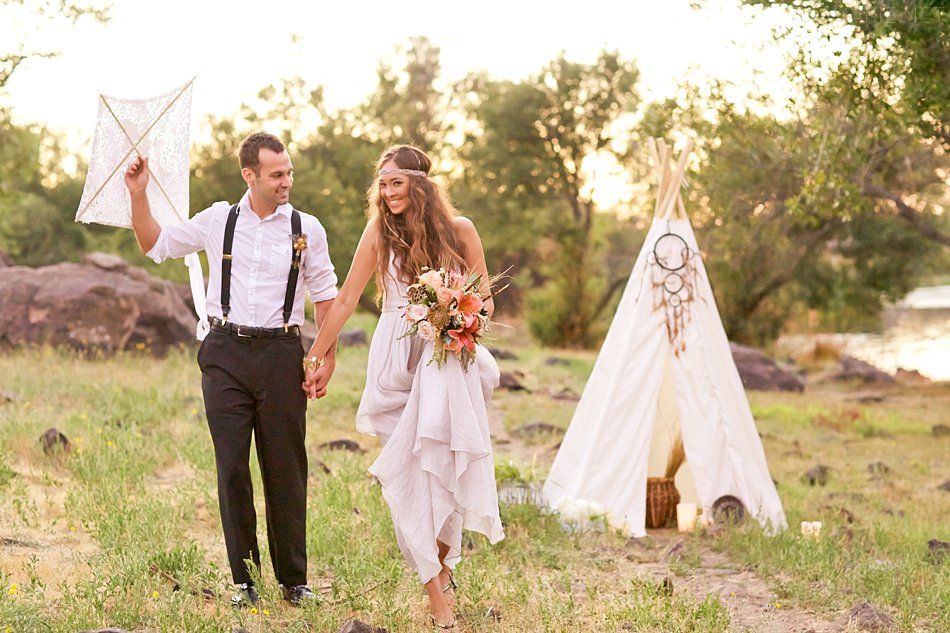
(312, 362)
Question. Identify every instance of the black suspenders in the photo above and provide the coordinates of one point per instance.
(294, 269)
(226, 260)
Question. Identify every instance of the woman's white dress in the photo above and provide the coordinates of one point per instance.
(436, 467)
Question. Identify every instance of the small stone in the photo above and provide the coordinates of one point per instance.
(842, 512)
(53, 439)
(870, 398)
(357, 626)
(493, 614)
(865, 617)
(940, 430)
(554, 361)
(945, 486)
(878, 469)
(343, 445)
(537, 428)
(511, 381)
(502, 354)
(844, 533)
(938, 549)
(323, 467)
(817, 475)
(566, 394)
(353, 337)
(6, 397)
(666, 587)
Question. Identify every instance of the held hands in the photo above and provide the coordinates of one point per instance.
(136, 178)
(316, 380)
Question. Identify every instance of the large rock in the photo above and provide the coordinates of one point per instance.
(858, 370)
(760, 373)
(102, 304)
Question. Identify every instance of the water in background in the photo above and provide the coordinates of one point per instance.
(916, 336)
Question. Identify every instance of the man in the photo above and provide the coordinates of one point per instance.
(252, 361)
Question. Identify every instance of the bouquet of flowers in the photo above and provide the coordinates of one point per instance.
(446, 308)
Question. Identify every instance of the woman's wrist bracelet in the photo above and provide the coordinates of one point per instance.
(312, 362)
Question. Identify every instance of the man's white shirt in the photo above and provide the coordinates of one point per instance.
(261, 257)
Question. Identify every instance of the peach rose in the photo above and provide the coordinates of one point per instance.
(426, 332)
(444, 295)
(432, 278)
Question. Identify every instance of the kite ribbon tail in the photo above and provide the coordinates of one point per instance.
(197, 279)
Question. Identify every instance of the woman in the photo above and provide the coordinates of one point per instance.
(436, 467)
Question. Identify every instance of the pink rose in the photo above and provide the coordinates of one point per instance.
(418, 312)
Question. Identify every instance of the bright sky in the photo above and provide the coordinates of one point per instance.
(237, 47)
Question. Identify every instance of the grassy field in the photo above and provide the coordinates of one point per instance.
(101, 536)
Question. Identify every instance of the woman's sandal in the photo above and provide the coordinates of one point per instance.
(446, 627)
(451, 586)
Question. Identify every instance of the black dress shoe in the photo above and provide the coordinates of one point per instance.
(298, 595)
(246, 596)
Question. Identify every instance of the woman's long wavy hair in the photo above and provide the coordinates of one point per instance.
(423, 235)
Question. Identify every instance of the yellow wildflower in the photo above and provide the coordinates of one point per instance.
(253, 611)
(266, 612)
(13, 589)
(154, 594)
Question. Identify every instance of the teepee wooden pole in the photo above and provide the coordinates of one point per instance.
(675, 181)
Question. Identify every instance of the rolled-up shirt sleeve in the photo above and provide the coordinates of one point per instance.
(183, 239)
(319, 277)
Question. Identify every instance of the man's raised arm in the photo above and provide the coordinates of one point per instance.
(146, 228)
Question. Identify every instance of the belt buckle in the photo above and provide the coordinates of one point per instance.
(242, 335)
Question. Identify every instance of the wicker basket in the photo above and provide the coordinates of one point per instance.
(662, 498)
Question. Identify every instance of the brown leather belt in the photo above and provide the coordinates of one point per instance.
(247, 331)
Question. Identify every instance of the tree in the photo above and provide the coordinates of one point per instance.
(31, 16)
(883, 100)
(780, 231)
(522, 177)
(406, 106)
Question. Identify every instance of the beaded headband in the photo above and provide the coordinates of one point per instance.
(408, 172)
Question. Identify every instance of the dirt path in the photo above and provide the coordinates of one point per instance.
(752, 605)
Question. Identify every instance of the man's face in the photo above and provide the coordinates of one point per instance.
(275, 179)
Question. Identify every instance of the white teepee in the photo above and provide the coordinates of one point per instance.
(664, 369)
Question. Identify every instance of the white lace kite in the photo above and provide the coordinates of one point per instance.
(156, 127)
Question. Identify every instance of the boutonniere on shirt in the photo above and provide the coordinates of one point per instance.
(300, 242)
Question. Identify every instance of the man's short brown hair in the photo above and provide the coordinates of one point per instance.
(249, 154)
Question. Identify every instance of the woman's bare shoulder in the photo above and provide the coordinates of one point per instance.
(464, 226)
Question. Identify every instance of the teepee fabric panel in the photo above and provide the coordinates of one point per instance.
(605, 452)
